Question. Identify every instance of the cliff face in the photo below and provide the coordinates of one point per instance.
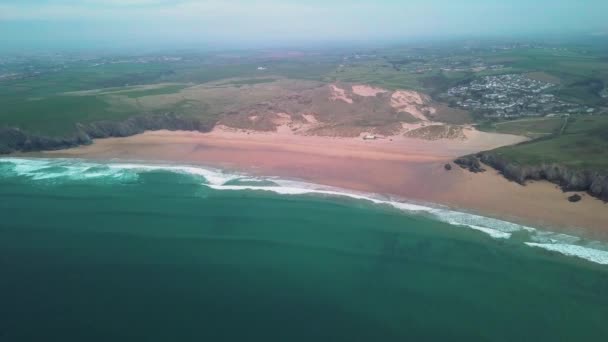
(13, 139)
(594, 182)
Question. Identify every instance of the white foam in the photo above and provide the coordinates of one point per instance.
(77, 169)
(497, 234)
(591, 254)
(40, 169)
(213, 177)
(250, 179)
(50, 169)
(495, 228)
(552, 237)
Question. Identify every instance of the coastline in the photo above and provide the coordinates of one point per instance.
(395, 166)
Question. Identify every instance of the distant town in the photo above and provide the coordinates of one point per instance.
(511, 96)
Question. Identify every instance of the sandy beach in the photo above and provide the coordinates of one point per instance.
(406, 167)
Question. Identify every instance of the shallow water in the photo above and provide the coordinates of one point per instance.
(98, 252)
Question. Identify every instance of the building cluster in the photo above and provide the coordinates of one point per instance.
(511, 95)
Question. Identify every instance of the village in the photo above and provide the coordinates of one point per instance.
(511, 96)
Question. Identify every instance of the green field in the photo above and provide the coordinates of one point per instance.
(41, 105)
(543, 77)
(379, 73)
(581, 75)
(582, 145)
(53, 101)
(532, 128)
(248, 81)
(170, 89)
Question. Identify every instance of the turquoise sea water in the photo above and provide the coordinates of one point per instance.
(128, 252)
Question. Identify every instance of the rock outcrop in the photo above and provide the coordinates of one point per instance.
(16, 140)
(569, 179)
(470, 163)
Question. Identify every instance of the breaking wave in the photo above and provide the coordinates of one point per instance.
(591, 254)
(58, 170)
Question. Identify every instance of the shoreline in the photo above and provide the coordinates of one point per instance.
(570, 245)
(407, 168)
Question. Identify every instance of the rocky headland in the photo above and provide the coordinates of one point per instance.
(13, 139)
(593, 182)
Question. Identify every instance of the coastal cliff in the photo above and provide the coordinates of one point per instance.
(593, 182)
(13, 139)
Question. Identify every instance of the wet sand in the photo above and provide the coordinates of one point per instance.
(400, 166)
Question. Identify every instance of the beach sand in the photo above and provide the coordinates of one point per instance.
(400, 166)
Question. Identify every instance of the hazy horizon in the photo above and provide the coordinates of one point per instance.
(121, 23)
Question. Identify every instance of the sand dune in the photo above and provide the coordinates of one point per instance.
(339, 94)
(413, 103)
(367, 91)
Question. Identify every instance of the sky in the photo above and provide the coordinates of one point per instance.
(47, 23)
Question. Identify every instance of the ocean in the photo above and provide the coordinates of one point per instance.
(116, 251)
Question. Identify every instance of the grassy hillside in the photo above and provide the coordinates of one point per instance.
(51, 101)
(582, 145)
(50, 97)
(43, 104)
(532, 128)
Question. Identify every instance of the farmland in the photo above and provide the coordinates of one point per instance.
(582, 145)
(532, 128)
(49, 96)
